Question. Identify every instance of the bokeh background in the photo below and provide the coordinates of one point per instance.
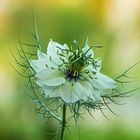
(114, 24)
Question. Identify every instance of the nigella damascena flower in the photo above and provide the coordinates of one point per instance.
(71, 74)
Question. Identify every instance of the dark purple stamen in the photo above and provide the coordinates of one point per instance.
(70, 76)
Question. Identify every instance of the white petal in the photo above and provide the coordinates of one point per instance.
(68, 93)
(90, 91)
(38, 65)
(41, 55)
(47, 58)
(99, 64)
(52, 52)
(55, 59)
(40, 83)
(88, 51)
(96, 94)
(48, 73)
(53, 92)
(53, 47)
(55, 82)
(91, 67)
(103, 82)
(65, 46)
(51, 77)
(88, 88)
(42, 62)
(81, 91)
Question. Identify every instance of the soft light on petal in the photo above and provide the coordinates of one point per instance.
(81, 91)
(55, 82)
(68, 93)
(53, 52)
(52, 92)
(41, 55)
(88, 51)
(51, 77)
(96, 93)
(53, 48)
(92, 67)
(103, 82)
(88, 89)
(38, 65)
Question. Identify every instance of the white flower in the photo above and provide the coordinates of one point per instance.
(70, 74)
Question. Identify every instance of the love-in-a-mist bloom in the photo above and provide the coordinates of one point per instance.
(71, 73)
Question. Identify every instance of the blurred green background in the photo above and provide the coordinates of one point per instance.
(115, 24)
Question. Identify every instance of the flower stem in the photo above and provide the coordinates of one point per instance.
(63, 121)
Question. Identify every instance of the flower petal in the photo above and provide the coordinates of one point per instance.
(96, 94)
(68, 93)
(41, 55)
(42, 62)
(92, 67)
(53, 51)
(88, 88)
(52, 92)
(81, 91)
(103, 82)
(38, 65)
(98, 62)
(51, 77)
(88, 51)
(53, 48)
(55, 82)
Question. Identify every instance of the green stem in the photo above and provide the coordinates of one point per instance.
(63, 121)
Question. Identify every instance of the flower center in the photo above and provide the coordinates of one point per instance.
(72, 75)
(74, 70)
(77, 61)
